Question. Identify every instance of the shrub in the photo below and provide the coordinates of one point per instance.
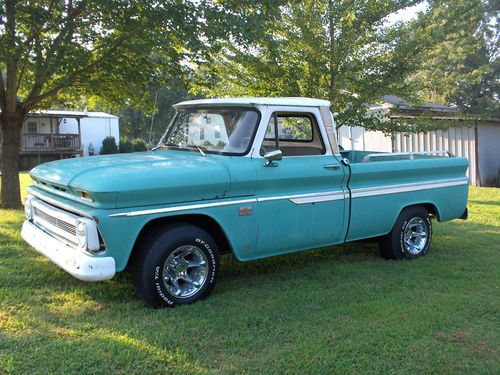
(126, 146)
(109, 146)
(139, 145)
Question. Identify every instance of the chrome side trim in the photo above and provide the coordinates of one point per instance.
(183, 208)
(404, 188)
(317, 198)
(311, 197)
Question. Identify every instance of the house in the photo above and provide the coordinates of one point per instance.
(56, 134)
(479, 142)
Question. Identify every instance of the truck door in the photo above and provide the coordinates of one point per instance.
(301, 201)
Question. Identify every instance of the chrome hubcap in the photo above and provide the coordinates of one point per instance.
(185, 271)
(415, 236)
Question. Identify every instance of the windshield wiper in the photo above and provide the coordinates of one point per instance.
(165, 145)
(200, 149)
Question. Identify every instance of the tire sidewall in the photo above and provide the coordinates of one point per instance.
(406, 218)
(163, 247)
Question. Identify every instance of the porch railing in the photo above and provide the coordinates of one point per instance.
(49, 142)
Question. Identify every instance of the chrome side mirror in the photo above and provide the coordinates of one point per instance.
(271, 157)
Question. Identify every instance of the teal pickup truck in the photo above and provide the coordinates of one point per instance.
(255, 177)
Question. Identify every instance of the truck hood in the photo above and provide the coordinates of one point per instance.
(138, 179)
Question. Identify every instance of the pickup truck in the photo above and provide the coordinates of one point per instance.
(255, 177)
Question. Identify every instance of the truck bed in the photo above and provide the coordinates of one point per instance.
(382, 184)
(355, 156)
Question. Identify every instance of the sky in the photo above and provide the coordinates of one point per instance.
(407, 14)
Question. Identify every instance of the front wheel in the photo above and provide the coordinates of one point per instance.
(410, 237)
(176, 266)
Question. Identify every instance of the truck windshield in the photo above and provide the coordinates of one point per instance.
(222, 131)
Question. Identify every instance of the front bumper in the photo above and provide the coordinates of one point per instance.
(74, 261)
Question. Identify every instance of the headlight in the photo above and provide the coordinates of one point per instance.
(81, 232)
(28, 208)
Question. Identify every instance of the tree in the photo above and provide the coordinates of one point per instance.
(125, 146)
(463, 66)
(61, 50)
(108, 146)
(139, 145)
(343, 51)
(138, 123)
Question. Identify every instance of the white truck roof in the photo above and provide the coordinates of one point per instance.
(293, 102)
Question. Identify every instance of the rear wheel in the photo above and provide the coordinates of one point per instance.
(176, 266)
(410, 237)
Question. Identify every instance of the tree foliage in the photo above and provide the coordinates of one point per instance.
(109, 146)
(463, 67)
(54, 51)
(343, 51)
(141, 122)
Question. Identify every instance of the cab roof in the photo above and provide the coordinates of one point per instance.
(235, 102)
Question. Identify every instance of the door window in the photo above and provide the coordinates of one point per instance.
(297, 135)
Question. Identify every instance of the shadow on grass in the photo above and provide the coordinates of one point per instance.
(484, 203)
(260, 311)
(363, 255)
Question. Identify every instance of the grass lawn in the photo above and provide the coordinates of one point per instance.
(341, 310)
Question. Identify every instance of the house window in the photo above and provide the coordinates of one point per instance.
(31, 127)
(217, 132)
(202, 134)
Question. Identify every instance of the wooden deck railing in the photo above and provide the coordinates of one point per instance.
(50, 142)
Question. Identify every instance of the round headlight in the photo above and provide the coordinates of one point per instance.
(28, 208)
(81, 233)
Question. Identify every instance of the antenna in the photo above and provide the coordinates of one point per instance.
(153, 118)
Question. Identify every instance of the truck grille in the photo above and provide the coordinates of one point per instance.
(55, 221)
(67, 227)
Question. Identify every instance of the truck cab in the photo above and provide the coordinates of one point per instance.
(255, 177)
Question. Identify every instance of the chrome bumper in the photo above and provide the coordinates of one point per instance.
(74, 261)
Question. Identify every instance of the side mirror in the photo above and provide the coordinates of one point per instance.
(271, 157)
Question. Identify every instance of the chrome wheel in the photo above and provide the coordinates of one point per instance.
(415, 236)
(185, 271)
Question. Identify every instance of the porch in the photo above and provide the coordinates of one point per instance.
(48, 136)
(50, 143)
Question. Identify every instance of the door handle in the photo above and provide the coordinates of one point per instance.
(332, 166)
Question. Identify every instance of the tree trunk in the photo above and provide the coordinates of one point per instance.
(11, 141)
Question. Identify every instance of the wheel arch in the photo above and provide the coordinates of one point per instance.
(430, 207)
(205, 222)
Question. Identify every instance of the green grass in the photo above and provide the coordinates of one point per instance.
(341, 310)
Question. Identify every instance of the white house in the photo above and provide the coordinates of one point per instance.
(56, 134)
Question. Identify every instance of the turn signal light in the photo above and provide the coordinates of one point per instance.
(87, 196)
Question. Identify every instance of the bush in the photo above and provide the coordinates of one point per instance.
(126, 146)
(139, 145)
(109, 146)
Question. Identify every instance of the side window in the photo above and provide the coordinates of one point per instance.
(298, 135)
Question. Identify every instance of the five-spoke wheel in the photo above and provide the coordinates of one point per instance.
(410, 237)
(175, 265)
(185, 271)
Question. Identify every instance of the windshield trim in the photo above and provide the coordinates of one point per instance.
(226, 108)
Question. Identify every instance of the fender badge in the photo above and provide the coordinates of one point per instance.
(246, 210)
